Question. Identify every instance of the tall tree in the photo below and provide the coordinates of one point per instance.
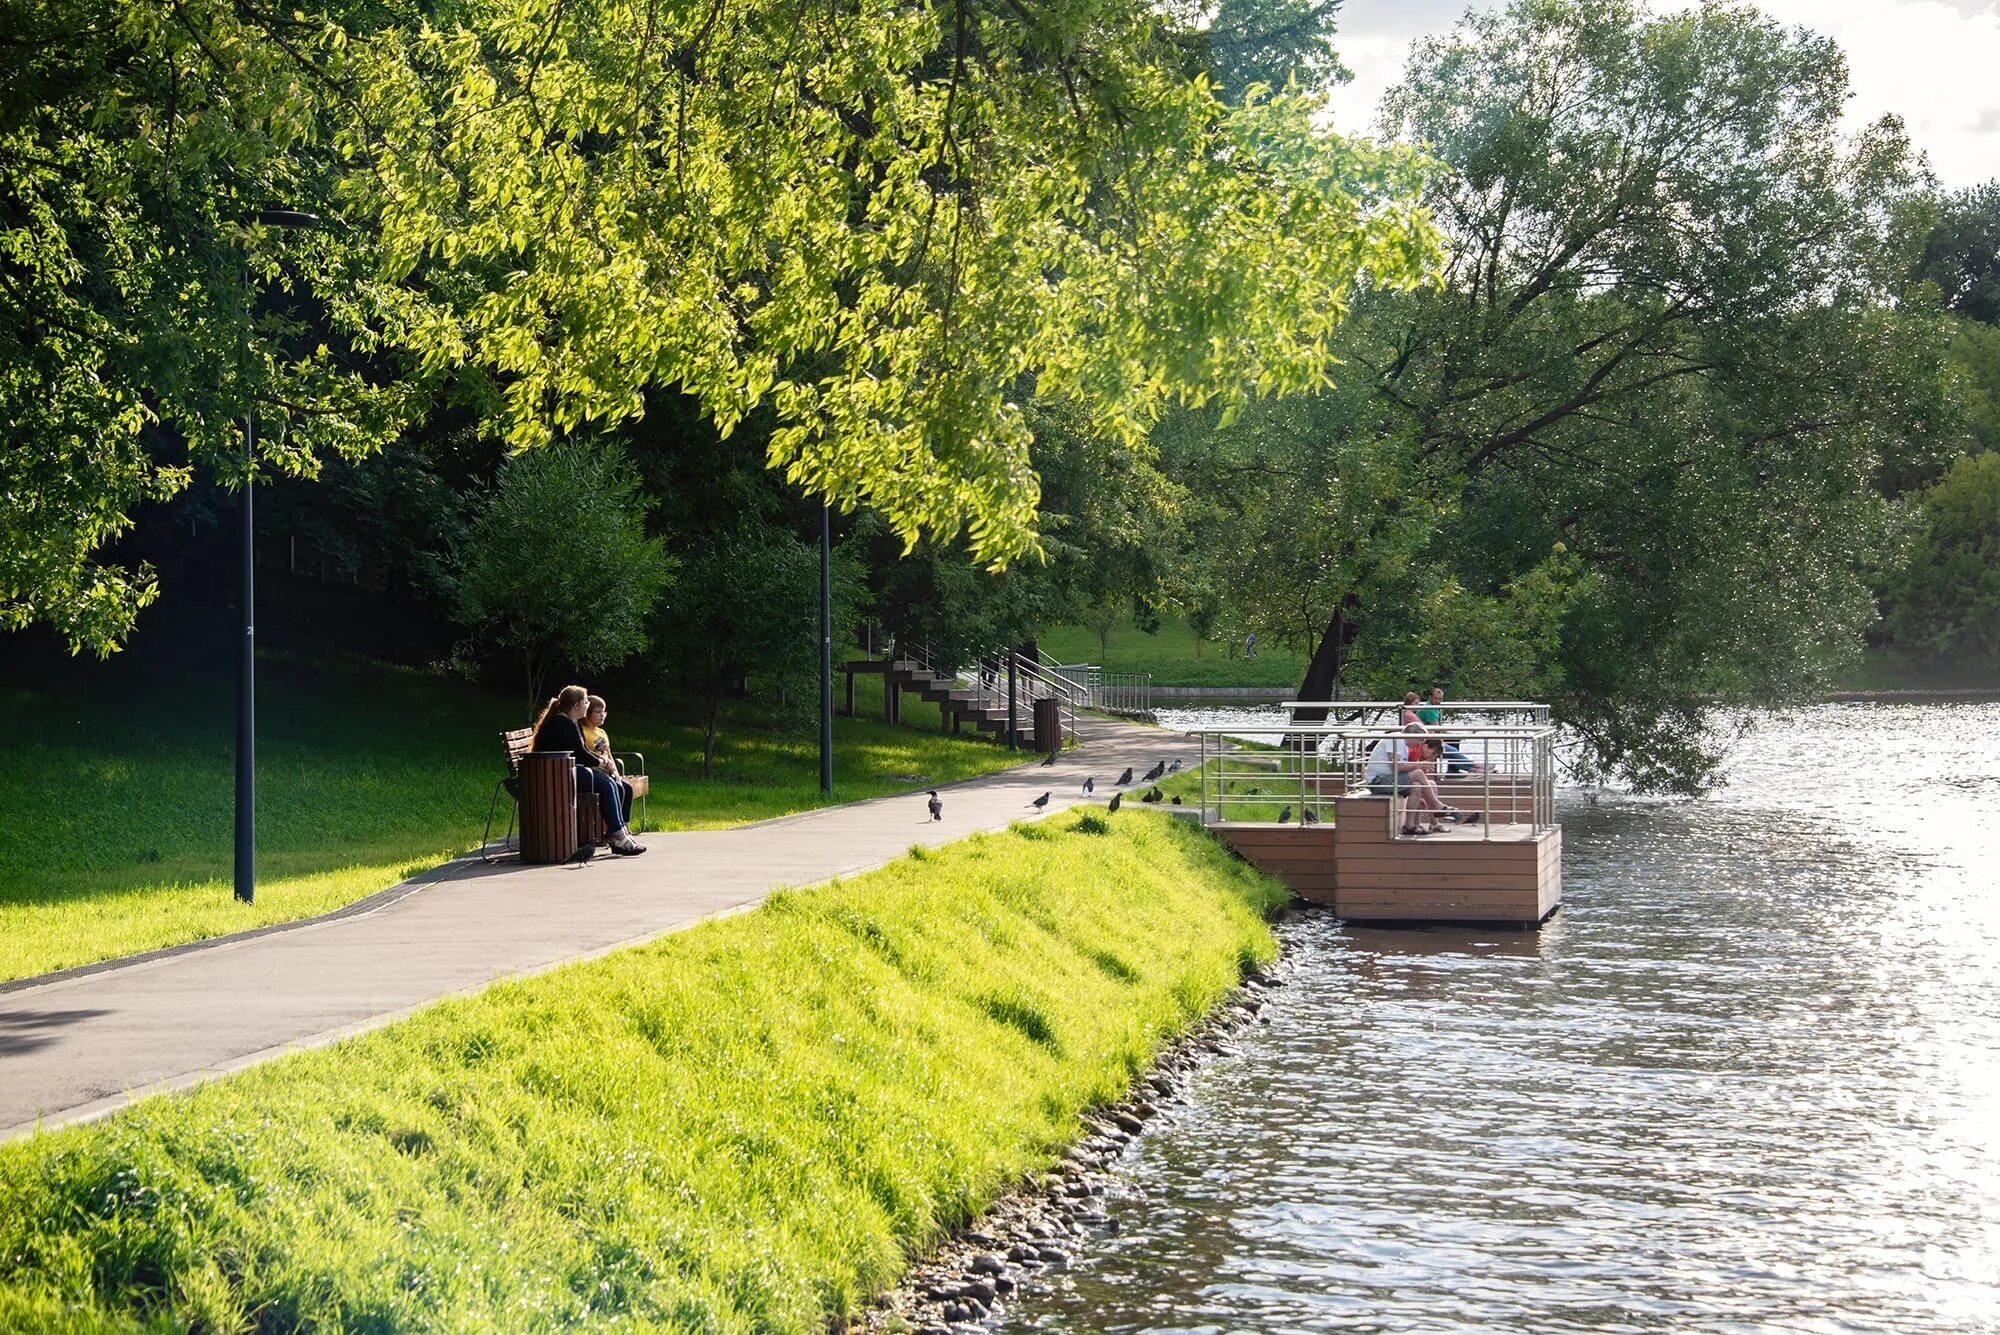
(883, 223)
(557, 569)
(1671, 349)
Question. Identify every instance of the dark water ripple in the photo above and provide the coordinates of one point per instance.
(1748, 1080)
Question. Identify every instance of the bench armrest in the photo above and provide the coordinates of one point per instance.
(623, 767)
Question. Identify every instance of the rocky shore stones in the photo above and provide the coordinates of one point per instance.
(1028, 1234)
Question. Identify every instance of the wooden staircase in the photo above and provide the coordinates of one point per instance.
(957, 704)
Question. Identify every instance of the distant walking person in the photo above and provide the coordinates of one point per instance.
(1250, 645)
(557, 730)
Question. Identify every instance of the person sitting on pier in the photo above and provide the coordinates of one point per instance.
(1455, 760)
(1396, 768)
(556, 730)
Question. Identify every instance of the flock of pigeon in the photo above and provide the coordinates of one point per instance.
(1123, 781)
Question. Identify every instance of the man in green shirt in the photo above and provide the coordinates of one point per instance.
(1432, 714)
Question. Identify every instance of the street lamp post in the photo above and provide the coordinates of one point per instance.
(826, 649)
(246, 666)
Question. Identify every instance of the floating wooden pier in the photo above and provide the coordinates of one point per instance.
(1506, 868)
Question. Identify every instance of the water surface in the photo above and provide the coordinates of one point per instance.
(1747, 1080)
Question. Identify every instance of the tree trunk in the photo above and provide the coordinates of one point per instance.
(710, 726)
(1323, 673)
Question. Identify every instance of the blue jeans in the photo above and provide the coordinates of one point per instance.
(1456, 761)
(589, 776)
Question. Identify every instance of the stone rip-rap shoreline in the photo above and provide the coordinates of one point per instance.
(1037, 1230)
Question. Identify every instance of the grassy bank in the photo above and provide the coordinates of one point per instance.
(1170, 655)
(118, 836)
(746, 1126)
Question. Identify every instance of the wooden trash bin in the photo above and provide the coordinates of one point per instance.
(1048, 724)
(548, 806)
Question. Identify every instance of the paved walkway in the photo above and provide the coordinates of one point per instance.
(77, 1047)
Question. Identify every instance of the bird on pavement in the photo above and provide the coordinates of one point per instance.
(1050, 761)
(1155, 772)
(1040, 802)
(936, 805)
(1175, 767)
(1126, 777)
(1116, 798)
(1090, 785)
(1152, 795)
(1285, 816)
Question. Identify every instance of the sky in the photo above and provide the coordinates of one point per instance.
(1935, 63)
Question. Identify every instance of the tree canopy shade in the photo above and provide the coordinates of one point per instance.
(888, 224)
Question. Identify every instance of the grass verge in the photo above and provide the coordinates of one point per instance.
(119, 835)
(1170, 654)
(747, 1126)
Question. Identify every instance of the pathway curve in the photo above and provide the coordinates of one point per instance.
(77, 1047)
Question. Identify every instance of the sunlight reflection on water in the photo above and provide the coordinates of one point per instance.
(1748, 1079)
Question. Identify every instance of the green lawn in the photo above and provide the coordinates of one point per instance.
(1170, 655)
(120, 817)
(747, 1126)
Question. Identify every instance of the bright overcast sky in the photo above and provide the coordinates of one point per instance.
(1935, 63)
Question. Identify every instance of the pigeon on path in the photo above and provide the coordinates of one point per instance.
(1126, 777)
(1116, 798)
(1153, 795)
(1154, 772)
(1040, 802)
(1285, 816)
(1090, 785)
(1050, 761)
(936, 805)
(1175, 767)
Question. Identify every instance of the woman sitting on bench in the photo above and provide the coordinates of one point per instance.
(556, 730)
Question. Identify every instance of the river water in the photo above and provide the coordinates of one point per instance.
(1748, 1079)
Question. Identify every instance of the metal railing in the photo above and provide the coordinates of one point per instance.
(1389, 712)
(1121, 692)
(986, 679)
(1126, 692)
(1497, 777)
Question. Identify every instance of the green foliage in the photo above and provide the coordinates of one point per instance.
(144, 307)
(747, 1126)
(557, 568)
(1245, 43)
(875, 224)
(1174, 656)
(1961, 254)
(1628, 452)
(748, 605)
(1975, 375)
(1947, 602)
(365, 775)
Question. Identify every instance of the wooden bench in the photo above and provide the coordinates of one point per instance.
(517, 742)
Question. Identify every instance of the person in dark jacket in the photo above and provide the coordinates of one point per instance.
(557, 730)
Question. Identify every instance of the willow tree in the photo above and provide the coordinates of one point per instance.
(886, 224)
(1672, 351)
